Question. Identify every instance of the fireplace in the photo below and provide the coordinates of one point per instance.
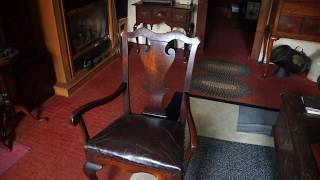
(87, 26)
(81, 36)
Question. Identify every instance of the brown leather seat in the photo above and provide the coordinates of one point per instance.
(116, 140)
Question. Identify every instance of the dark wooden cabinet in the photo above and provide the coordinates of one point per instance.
(26, 80)
(32, 71)
(294, 19)
(176, 15)
(294, 133)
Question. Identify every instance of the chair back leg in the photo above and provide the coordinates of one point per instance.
(90, 169)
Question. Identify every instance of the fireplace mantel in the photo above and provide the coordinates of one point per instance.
(58, 40)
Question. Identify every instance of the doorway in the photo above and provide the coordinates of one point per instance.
(230, 27)
(236, 14)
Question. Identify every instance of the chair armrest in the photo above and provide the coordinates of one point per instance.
(78, 113)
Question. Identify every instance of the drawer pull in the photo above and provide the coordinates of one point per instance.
(179, 17)
(144, 13)
(161, 14)
(290, 25)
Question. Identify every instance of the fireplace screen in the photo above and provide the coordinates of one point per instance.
(87, 22)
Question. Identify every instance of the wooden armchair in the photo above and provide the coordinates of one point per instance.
(151, 141)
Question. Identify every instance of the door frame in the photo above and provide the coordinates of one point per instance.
(260, 30)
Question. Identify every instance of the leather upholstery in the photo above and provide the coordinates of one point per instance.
(145, 140)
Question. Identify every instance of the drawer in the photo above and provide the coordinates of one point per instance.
(143, 13)
(311, 26)
(180, 15)
(310, 9)
(289, 24)
(162, 14)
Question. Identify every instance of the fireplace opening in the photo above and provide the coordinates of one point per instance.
(87, 26)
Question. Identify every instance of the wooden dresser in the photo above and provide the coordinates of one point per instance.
(294, 134)
(176, 15)
(294, 19)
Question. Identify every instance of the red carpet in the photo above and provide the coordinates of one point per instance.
(57, 146)
(10, 158)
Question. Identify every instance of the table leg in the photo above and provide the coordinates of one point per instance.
(266, 38)
(146, 26)
(137, 38)
(189, 33)
(28, 113)
(269, 51)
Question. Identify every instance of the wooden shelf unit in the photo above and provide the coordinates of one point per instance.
(54, 27)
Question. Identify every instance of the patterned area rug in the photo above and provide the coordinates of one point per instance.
(8, 159)
(218, 159)
(220, 85)
(224, 67)
(219, 78)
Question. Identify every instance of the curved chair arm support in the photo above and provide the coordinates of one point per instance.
(77, 115)
(192, 131)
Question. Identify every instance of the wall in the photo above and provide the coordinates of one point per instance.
(157, 28)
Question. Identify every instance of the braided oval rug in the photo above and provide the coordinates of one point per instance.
(220, 85)
(224, 67)
(220, 78)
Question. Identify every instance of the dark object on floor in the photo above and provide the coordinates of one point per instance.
(224, 67)
(218, 159)
(294, 133)
(281, 72)
(256, 120)
(10, 158)
(148, 142)
(219, 85)
(292, 60)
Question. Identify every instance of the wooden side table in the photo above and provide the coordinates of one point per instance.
(292, 19)
(176, 15)
(8, 111)
(294, 134)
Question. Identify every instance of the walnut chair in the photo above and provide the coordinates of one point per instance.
(152, 141)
